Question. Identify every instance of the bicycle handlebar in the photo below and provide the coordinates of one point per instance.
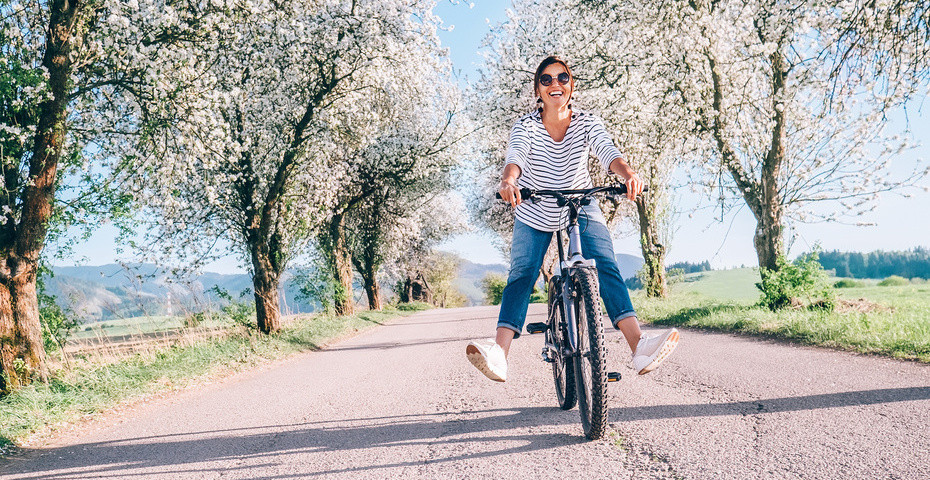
(529, 192)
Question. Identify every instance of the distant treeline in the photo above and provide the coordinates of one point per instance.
(689, 267)
(879, 264)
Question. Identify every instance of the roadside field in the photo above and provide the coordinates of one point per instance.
(891, 320)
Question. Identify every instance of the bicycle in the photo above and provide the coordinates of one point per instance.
(574, 334)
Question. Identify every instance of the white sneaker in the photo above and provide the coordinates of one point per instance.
(651, 351)
(488, 357)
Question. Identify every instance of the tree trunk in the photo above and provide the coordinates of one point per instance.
(265, 283)
(22, 352)
(341, 264)
(372, 290)
(761, 195)
(768, 237)
(550, 266)
(655, 282)
(367, 263)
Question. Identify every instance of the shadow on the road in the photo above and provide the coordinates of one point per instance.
(772, 405)
(412, 343)
(439, 320)
(185, 453)
(260, 446)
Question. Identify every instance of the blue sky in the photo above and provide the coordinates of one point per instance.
(901, 222)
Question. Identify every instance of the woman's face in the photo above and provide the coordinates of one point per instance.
(556, 94)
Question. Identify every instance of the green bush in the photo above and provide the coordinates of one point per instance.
(240, 312)
(796, 282)
(194, 320)
(493, 285)
(893, 281)
(539, 295)
(847, 283)
(56, 326)
(413, 306)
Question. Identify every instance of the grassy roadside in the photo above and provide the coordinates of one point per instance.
(892, 321)
(81, 392)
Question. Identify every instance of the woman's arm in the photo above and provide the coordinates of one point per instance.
(518, 150)
(611, 158)
(508, 188)
(634, 184)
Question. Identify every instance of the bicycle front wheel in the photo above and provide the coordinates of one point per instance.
(563, 372)
(590, 363)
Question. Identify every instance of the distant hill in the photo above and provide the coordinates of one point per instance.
(111, 291)
(470, 275)
(116, 291)
(469, 279)
(629, 265)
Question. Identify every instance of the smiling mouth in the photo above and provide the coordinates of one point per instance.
(555, 94)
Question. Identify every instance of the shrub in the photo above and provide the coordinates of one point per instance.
(194, 320)
(847, 283)
(56, 325)
(539, 295)
(893, 281)
(795, 282)
(240, 312)
(493, 286)
(413, 306)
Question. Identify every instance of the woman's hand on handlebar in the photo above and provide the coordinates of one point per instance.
(634, 187)
(510, 193)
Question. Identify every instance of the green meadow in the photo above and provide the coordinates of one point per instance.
(873, 319)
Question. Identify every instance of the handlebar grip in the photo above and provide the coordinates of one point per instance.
(621, 190)
(524, 193)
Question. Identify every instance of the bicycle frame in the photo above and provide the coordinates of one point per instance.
(575, 260)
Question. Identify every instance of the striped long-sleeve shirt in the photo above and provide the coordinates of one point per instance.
(547, 164)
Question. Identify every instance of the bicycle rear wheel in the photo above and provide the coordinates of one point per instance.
(590, 363)
(563, 373)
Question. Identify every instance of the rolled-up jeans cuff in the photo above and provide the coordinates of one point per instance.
(623, 316)
(516, 331)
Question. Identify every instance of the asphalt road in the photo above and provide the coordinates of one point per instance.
(402, 401)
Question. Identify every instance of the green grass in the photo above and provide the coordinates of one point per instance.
(136, 326)
(898, 324)
(87, 390)
(736, 284)
(126, 326)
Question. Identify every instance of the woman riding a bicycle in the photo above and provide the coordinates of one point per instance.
(549, 149)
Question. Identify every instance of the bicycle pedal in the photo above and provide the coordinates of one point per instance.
(537, 327)
(545, 356)
(613, 376)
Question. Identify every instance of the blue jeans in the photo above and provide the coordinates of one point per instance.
(526, 256)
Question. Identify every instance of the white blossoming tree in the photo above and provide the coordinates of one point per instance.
(256, 155)
(792, 97)
(391, 236)
(402, 174)
(58, 62)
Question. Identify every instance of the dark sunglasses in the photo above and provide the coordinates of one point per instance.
(546, 79)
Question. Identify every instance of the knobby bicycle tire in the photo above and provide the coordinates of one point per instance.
(590, 364)
(563, 372)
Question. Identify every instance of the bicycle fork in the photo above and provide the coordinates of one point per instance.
(575, 261)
